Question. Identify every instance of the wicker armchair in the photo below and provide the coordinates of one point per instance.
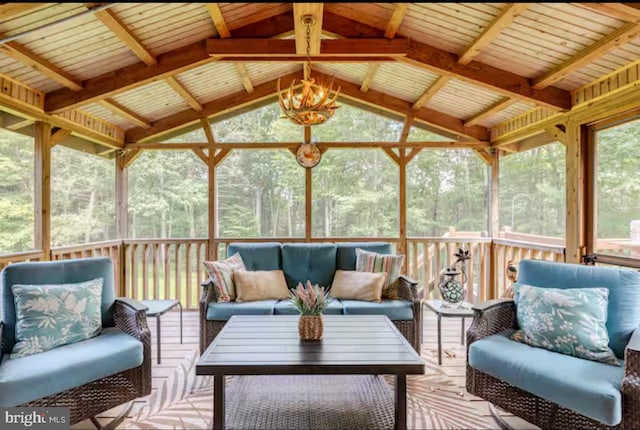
(121, 317)
(499, 316)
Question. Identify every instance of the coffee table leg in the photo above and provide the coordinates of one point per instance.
(439, 340)
(158, 333)
(218, 402)
(180, 305)
(401, 402)
(462, 333)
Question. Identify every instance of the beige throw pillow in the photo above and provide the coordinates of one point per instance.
(260, 285)
(350, 284)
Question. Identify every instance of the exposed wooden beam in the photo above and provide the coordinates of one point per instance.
(59, 136)
(215, 107)
(491, 110)
(131, 156)
(184, 93)
(502, 21)
(218, 20)
(413, 153)
(406, 128)
(300, 10)
(629, 12)
(273, 48)
(201, 155)
(371, 72)
(294, 145)
(624, 34)
(484, 156)
(206, 126)
(124, 112)
(399, 11)
(439, 61)
(431, 91)
(11, 10)
(244, 75)
(36, 62)
(220, 156)
(20, 124)
(117, 27)
(169, 64)
(392, 155)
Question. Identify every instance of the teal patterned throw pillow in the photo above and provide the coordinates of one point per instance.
(569, 321)
(48, 316)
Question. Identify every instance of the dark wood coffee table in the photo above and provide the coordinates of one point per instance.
(269, 345)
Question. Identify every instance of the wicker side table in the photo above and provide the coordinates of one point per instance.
(156, 308)
(441, 311)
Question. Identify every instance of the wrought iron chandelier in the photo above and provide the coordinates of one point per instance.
(311, 104)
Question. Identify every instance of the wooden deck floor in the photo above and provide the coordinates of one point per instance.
(453, 357)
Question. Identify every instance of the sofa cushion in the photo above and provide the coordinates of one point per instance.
(224, 311)
(396, 310)
(258, 256)
(52, 315)
(623, 309)
(40, 375)
(285, 307)
(315, 262)
(346, 252)
(587, 387)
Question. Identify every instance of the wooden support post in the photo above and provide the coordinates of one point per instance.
(308, 192)
(42, 236)
(122, 215)
(402, 219)
(576, 143)
(212, 248)
(494, 222)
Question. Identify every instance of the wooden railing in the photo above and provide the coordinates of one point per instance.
(19, 257)
(428, 258)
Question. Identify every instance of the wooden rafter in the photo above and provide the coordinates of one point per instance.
(11, 10)
(244, 75)
(624, 34)
(368, 78)
(208, 132)
(124, 112)
(19, 124)
(218, 20)
(406, 128)
(491, 110)
(300, 10)
(629, 12)
(117, 27)
(484, 156)
(502, 21)
(431, 91)
(294, 145)
(399, 11)
(59, 136)
(18, 52)
(184, 93)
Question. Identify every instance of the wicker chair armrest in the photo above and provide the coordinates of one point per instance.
(631, 379)
(492, 317)
(209, 292)
(131, 317)
(408, 289)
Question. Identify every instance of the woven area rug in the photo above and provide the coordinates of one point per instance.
(185, 401)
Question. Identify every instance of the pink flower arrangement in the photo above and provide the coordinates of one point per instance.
(309, 300)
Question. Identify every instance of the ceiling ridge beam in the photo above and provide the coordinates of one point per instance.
(125, 112)
(271, 49)
(117, 27)
(184, 93)
(436, 86)
(169, 64)
(440, 61)
(300, 10)
(218, 20)
(23, 55)
(619, 37)
(398, 14)
(510, 12)
(500, 105)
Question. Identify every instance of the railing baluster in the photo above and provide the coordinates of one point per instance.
(188, 272)
(178, 266)
(145, 271)
(167, 269)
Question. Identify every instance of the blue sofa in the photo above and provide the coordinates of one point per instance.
(553, 390)
(318, 263)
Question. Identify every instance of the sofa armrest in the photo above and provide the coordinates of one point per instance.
(209, 293)
(135, 305)
(492, 317)
(131, 317)
(407, 289)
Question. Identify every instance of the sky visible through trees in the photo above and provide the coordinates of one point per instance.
(260, 193)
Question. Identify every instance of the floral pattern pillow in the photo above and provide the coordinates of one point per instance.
(48, 316)
(569, 321)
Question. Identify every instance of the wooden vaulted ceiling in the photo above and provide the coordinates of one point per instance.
(148, 69)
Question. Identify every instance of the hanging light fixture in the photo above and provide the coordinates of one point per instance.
(311, 104)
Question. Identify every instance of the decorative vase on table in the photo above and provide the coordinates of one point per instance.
(310, 302)
(452, 291)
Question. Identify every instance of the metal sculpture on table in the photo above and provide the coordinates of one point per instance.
(453, 292)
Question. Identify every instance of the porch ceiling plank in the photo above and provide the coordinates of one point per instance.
(215, 107)
(299, 10)
(273, 48)
(11, 10)
(440, 61)
(431, 91)
(168, 64)
(629, 12)
(399, 11)
(218, 20)
(491, 110)
(371, 72)
(18, 52)
(124, 112)
(502, 21)
(184, 93)
(117, 27)
(624, 34)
